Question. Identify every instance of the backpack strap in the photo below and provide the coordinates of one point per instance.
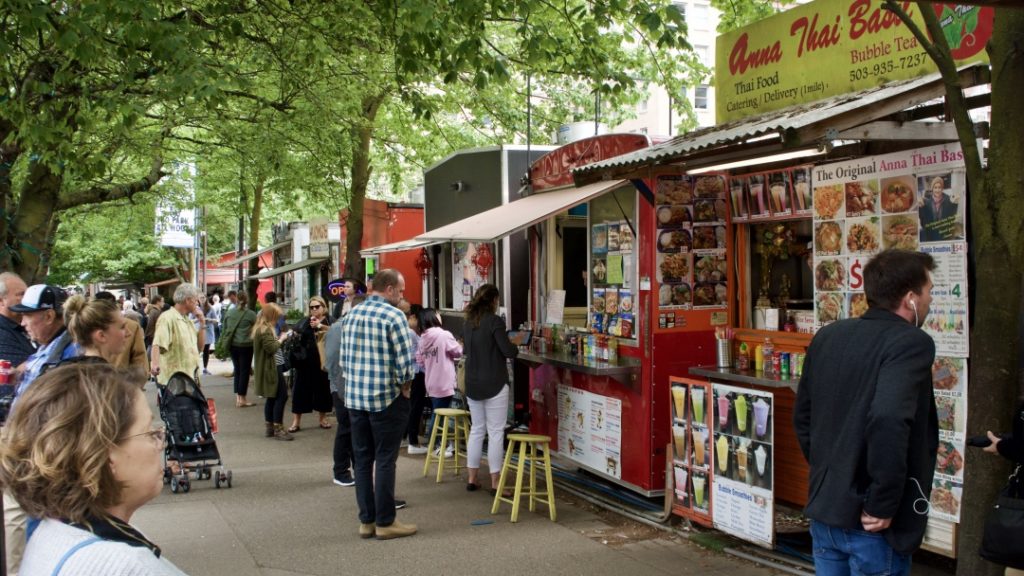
(69, 553)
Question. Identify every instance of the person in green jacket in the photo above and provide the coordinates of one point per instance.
(269, 380)
(238, 324)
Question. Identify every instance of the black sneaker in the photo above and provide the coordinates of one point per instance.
(345, 480)
(399, 504)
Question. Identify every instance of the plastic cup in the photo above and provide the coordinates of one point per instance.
(723, 454)
(723, 411)
(761, 458)
(679, 439)
(741, 462)
(699, 436)
(760, 417)
(741, 412)
(681, 475)
(679, 400)
(698, 490)
(697, 394)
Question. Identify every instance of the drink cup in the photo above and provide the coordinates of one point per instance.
(760, 458)
(760, 417)
(679, 400)
(698, 490)
(723, 453)
(741, 412)
(679, 439)
(681, 475)
(699, 436)
(697, 395)
(723, 412)
(741, 462)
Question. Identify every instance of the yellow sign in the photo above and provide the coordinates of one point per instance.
(831, 47)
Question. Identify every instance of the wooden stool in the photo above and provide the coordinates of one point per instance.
(528, 445)
(445, 418)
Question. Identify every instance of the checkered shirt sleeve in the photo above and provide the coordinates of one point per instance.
(376, 355)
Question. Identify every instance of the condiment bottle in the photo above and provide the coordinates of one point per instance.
(758, 358)
(767, 349)
(743, 358)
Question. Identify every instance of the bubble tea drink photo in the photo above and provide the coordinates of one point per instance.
(697, 398)
(741, 413)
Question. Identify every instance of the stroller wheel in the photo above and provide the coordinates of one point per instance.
(216, 480)
(186, 486)
(174, 484)
(228, 477)
(167, 475)
(204, 474)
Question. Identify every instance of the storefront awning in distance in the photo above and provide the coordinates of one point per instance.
(506, 219)
(792, 128)
(288, 268)
(252, 255)
(410, 244)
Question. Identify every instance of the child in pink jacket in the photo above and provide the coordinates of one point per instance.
(437, 353)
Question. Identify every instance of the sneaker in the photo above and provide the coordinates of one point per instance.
(399, 504)
(415, 450)
(345, 480)
(205, 371)
(367, 530)
(396, 530)
(447, 453)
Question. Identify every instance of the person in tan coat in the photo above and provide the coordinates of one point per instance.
(133, 354)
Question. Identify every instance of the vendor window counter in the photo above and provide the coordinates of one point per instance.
(625, 370)
(791, 470)
(749, 377)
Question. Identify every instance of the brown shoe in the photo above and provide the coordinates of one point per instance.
(367, 530)
(281, 434)
(396, 530)
(271, 429)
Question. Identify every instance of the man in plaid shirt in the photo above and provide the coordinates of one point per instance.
(377, 361)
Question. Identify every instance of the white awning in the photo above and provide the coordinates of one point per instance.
(410, 244)
(252, 255)
(506, 219)
(288, 268)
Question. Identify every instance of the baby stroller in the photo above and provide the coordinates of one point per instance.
(190, 442)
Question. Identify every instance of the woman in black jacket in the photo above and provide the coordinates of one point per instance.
(311, 389)
(1012, 448)
(486, 346)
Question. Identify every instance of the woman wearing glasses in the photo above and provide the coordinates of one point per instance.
(82, 454)
(311, 390)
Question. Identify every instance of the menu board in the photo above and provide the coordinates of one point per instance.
(742, 452)
(590, 430)
(466, 277)
(611, 278)
(691, 455)
(913, 200)
(692, 269)
(777, 195)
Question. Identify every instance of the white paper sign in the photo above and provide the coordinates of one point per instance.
(556, 307)
(590, 430)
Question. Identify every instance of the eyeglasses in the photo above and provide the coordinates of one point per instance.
(315, 307)
(158, 435)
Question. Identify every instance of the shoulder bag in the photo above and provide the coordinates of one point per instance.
(1004, 527)
(222, 348)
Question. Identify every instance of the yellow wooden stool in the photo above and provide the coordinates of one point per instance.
(445, 419)
(528, 445)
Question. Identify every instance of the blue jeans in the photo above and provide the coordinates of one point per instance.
(436, 403)
(342, 439)
(851, 552)
(376, 438)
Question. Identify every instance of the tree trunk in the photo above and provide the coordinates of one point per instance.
(361, 170)
(33, 223)
(996, 235)
(252, 284)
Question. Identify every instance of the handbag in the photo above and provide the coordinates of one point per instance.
(222, 348)
(460, 375)
(1004, 527)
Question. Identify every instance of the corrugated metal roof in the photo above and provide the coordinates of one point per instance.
(799, 125)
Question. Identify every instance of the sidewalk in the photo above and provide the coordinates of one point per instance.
(284, 516)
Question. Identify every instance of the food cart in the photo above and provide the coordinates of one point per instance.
(810, 191)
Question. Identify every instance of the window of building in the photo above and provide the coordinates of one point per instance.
(703, 54)
(641, 108)
(681, 7)
(700, 16)
(700, 97)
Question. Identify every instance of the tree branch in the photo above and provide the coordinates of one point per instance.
(97, 194)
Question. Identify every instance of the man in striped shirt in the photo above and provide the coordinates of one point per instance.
(377, 361)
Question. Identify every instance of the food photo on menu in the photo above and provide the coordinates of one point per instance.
(673, 267)
(950, 461)
(857, 304)
(897, 194)
(710, 187)
(828, 238)
(705, 211)
(829, 307)
(828, 202)
(705, 238)
(675, 240)
(625, 238)
(599, 239)
(900, 231)
(829, 275)
(950, 413)
(597, 300)
(861, 198)
(600, 271)
(613, 237)
(673, 190)
(678, 294)
(945, 497)
(946, 374)
(674, 216)
(863, 235)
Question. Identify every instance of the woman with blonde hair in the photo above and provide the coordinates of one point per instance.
(269, 381)
(82, 454)
(311, 389)
(96, 326)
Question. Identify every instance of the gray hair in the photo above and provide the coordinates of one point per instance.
(4, 278)
(185, 291)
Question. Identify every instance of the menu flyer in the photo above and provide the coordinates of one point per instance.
(691, 456)
(743, 464)
(690, 215)
(590, 430)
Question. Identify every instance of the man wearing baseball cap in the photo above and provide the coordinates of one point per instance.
(42, 315)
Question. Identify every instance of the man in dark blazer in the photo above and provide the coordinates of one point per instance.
(866, 421)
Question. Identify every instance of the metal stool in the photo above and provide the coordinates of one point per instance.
(528, 445)
(445, 418)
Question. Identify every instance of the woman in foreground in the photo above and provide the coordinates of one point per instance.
(82, 454)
